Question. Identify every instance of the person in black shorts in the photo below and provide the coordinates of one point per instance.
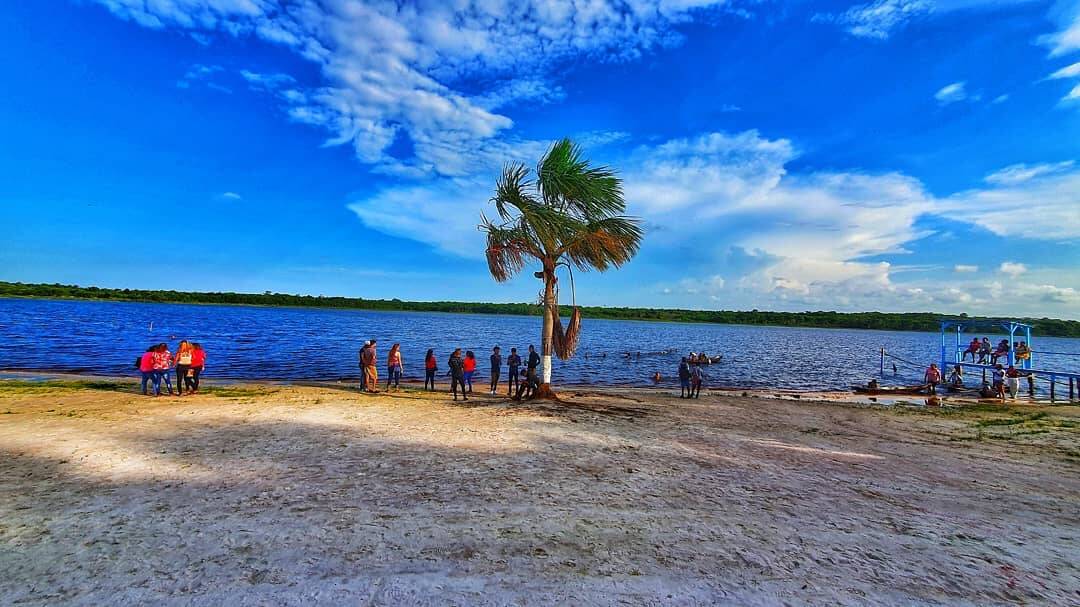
(496, 368)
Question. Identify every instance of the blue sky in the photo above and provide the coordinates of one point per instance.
(885, 155)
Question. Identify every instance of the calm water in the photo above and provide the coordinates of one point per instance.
(310, 344)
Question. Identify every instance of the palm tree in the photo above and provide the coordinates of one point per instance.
(570, 215)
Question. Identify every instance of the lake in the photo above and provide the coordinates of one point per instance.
(264, 343)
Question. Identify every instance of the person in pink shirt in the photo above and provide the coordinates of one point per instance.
(146, 367)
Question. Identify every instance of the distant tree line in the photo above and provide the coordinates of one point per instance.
(909, 321)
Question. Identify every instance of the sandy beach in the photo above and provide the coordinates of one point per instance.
(304, 495)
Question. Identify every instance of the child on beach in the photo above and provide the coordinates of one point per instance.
(393, 367)
(496, 368)
(513, 363)
(431, 365)
(469, 368)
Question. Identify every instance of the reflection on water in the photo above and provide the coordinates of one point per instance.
(310, 344)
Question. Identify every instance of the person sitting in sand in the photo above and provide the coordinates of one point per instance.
(986, 391)
(528, 387)
(932, 378)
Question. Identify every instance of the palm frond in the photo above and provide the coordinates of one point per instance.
(511, 190)
(507, 249)
(571, 184)
(604, 243)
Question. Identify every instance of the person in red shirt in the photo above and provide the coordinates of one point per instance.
(470, 368)
(932, 378)
(198, 362)
(431, 365)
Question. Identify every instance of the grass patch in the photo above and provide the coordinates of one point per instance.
(235, 391)
(17, 386)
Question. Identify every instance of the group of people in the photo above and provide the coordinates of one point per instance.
(989, 354)
(1004, 379)
(157, 365)
(692, 375)
(460, 368)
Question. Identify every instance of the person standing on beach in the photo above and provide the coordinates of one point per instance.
(162, 363)
(932, 378)
(393, 367)
(534, 359)
(496, 368)
(684, 378)
(371, 370)
(146, 367)
(431, 365)
(470, 368)
(457, 374)
(697, 378)
(183, 365)
(513, 363)
(198, 363)
(360, 357)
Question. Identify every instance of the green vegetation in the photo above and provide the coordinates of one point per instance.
(916, 321)
(20, 386)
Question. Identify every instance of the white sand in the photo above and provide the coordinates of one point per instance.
(325, 496)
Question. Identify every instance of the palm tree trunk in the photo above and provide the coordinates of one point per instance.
(546, 343)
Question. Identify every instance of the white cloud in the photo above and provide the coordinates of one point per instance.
(231, 196)
(1000, 99)
(1069, 71)
(965, 269)
(394, 70)
(1012, 268)
(1040, 202)
(200, 72)
(951, 93)
(266, 81)
(1066, 14)
(880, 18)
(1019, 173)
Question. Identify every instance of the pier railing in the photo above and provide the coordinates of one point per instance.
(1067, 382)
